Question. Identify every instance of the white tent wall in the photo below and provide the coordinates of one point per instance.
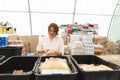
(30, 15)
(114, 33)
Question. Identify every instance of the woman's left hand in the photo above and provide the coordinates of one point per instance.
(50, 52)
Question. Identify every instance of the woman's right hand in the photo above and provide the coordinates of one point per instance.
(41, 51)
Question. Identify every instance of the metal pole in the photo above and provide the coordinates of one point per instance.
(30, 25)
(109, 29)
(74, 11)
(30, 16)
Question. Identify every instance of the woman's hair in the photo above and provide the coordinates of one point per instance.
(54, 26)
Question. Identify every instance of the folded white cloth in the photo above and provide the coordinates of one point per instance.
(54, 71)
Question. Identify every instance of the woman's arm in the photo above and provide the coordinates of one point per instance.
(39, 48)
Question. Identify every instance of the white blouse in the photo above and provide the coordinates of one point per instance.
(55, 44)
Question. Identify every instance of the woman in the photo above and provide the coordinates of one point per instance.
(52, 44)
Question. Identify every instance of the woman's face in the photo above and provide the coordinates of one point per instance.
(52, 32)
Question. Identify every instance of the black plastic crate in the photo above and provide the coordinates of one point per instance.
(27, 64)
(1, 58)
(70, 76)
(9, 51)
(95, 75)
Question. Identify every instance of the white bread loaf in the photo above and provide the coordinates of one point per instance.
(93, 67)
(54, 66)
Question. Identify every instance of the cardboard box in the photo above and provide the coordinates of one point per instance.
(33, 40)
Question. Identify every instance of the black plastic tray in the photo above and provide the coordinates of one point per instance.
(1, 58)
(27, 64)
(95, 75)
(9, 51)
(71, 76)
